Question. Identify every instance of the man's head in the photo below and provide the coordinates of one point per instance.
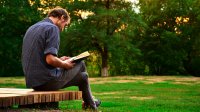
(60, 17)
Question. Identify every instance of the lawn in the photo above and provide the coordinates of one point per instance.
(135, 93)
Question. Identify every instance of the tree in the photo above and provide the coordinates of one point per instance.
(108, 29)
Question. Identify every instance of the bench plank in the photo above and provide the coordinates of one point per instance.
(14, 96)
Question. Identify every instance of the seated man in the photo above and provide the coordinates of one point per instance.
(43, 70)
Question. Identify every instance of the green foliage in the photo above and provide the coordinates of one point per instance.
(10, 56)
(16, 17)
(193, 66)
(156, 40)
(164, 55)
(170, 43)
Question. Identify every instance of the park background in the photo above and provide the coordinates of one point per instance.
(138, 37)
(145, 54)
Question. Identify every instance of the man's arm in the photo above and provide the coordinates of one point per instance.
(57, 62)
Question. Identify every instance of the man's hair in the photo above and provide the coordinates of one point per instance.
(59, 12)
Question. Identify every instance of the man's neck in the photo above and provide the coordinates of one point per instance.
(53, 19)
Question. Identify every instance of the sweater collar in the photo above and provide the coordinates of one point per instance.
(48, 20)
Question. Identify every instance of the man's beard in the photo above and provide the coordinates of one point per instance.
(60, 28)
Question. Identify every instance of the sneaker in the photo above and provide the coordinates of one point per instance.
(97, 102)
(86, 106)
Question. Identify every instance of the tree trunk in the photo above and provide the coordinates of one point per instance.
(104, 72)
(104, 67)
(104, 53)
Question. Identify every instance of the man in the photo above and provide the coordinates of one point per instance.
(43, 70)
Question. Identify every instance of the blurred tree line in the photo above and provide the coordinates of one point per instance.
(147, 37)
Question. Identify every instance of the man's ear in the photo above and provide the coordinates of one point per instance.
(62, 17)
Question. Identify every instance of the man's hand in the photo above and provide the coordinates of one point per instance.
(63, 62)
(68, 64)
(63, 58)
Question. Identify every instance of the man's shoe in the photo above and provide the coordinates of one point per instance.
(86, 106)
(97, 102)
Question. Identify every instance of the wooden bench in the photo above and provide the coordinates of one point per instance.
(36, 99)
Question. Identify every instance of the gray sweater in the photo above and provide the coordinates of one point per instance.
(40, 39)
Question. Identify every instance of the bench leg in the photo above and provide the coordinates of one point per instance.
(48, 105)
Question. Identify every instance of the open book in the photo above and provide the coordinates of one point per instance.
(80, 57)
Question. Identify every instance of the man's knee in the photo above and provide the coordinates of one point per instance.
(82, 63)
(84, 76)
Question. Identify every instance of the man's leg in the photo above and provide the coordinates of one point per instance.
(81, 80)
(64, 76)
(76, 76)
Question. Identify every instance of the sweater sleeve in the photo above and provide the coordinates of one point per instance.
(52, 41)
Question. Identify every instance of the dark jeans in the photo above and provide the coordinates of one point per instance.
(78, 77)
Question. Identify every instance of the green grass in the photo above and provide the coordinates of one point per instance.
(135, 94)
